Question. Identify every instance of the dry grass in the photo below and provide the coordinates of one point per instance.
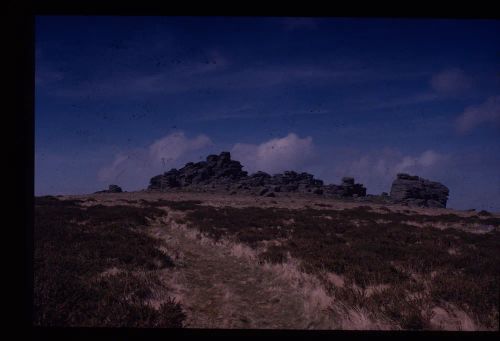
(372, 251)
(267, 284)
(339, 265)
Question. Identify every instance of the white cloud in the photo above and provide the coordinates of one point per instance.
(132, 168)
(276, 155)
(427, 159)
(486, 112)
(450, 81)
(173, 146)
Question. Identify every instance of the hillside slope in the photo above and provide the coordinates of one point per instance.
(284, 263)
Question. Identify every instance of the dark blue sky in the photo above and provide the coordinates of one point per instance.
(120, 99)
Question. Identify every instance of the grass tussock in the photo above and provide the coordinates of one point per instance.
(74, 246)
(371, 249)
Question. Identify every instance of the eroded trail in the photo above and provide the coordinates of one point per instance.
(217, 289)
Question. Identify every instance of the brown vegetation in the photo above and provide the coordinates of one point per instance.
(74, 249)
(355, 244)
(101, 263)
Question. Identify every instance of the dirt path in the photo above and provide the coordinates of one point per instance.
(220, 290)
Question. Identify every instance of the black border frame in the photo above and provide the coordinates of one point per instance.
(23, 15)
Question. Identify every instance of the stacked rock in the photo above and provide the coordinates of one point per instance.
(291, 181)
(216, 170)
(416, 191)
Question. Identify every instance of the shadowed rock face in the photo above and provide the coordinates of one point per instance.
(416, 191)
(216, 170)
(222, 173)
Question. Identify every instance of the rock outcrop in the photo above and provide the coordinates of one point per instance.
(348, 188)
(112, 189)
(288, 181)
(416, 191)
(219, 172)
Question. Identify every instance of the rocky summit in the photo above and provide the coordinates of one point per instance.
(219, 172)
(416, 191)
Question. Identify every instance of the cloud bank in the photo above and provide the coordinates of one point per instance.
(276, 155)
(132, 168)
(486, 112)
(135, 166)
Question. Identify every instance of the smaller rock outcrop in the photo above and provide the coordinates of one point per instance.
(348, 188)
(111, 189)
(416, 191)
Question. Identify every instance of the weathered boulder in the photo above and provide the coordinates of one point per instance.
(416, 191)
(114, 189)
(111, 189)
